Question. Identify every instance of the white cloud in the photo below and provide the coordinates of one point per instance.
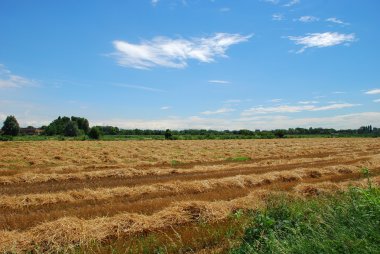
(321, 40)
(377, 100)
(165, 108)
(275, 100)
(335, 106)
(9, 80)
(307, 19)
(308, 102)
(337, 21)
(294, 109)
(277, 17)
(224, 9)
(232, 101)
(216, 81)
(272, 1)
(145, 88)
(218, 111)
(262, 122)
(339, 92)
(154, 2)
(291, 3)
(373, 91)
(174, 53)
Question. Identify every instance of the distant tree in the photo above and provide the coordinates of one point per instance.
(94, 133)
(82, 123)
(168, 134)
(11, 126)
(71, 129)
(58, 126)
(279, 133)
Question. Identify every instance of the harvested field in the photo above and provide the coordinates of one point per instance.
(58, 194)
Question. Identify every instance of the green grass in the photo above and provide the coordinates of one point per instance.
(345, 223)
(239, 159)
(175, 163)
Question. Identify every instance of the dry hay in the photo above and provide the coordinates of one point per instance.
(68, 232)
(199, 186)
(31, 174)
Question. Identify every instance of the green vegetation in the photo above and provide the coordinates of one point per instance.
(10, 127)
(239, 159)
(168, 134)
(71, 129)
(66, 126)
(342, 223)
(94, 133)
(175, 163)
(77, 128)
(346, 223)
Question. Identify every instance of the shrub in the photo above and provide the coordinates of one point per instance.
(279, 133)
(11, 126)
(6, 138)
(168, 134)
(94, 133)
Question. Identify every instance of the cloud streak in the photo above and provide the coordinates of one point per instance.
(294, 109)
(221, 82)
(218, 111)
(337, 21)
(373, 91)
(9, 80)
(321, 40)
(347, 121)
(278, 17)
(308, 19)
(174, 53)
(144, 88)
(292, 3)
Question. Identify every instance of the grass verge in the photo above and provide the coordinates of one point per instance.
(345, 223)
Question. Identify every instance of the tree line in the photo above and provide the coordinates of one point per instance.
(79, 126)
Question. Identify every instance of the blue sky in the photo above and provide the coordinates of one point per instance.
(252, 64)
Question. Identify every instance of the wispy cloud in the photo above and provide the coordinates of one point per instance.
(308, 102)
(154, 2)
(218, 81)
(338, 92)
(278, 17)
(294, 109)
(224, 9)
(258, 122)
(272, 1)
(165, 108)
(9, 80)
(291, 3)
(377, 100)
(321, 40)
(218, 111)
(232, 101)
(337, 21)
(308, 19)
(373, 91)
(145, 88)
(275, 100)
(174, 53)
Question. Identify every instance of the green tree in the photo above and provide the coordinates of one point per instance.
(94, 133)
(279, 133)
(71, 129)
(168, 134)
(11, 126)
